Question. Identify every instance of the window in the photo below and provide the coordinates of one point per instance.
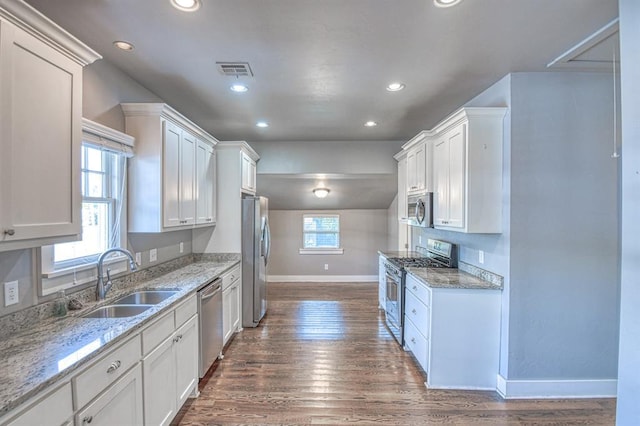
(102, 179)
(321, 234)
(103, 182)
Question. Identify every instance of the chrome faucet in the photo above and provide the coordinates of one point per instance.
(101, 287)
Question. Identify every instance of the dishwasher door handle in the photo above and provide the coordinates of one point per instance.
(211, 290)
(209, 296)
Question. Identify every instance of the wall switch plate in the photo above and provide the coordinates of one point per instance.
(153, 255)
(481, 256)
(326, 266)
(139, 259)
(11, 293)
(181, 247)
(420, 239)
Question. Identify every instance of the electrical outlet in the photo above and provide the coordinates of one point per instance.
(181, 247)
(153, 255)
(326, 266)
(11, 293)
(139, 259)
(481, 256)
(420, 239)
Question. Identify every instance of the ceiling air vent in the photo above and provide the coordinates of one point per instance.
(235, 69)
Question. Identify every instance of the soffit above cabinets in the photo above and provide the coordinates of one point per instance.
(594, 53)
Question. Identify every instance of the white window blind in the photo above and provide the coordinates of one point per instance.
(321, 231)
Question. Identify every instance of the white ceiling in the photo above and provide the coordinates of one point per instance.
(321, 66)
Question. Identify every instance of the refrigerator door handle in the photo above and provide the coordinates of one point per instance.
(267, 242)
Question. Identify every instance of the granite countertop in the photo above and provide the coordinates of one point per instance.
(450, 278)
(44, 354)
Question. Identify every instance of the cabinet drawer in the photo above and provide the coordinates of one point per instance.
(55, 407)
(155, 333)
(101, 374)
(417, 312)
(420, 290)
(415, 342)
(230, 277)
(186, 310)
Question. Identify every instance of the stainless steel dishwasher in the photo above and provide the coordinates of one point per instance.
(211, 332)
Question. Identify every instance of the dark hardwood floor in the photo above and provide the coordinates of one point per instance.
(322, 355)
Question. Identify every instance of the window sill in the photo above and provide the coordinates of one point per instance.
(76, 276)
(320, 251)
(81, 267)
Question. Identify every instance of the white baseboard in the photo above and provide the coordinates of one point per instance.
(322, 278)
(546, 389)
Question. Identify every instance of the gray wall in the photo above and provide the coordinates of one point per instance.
(362, 234)
(560, 209)
(628, 371)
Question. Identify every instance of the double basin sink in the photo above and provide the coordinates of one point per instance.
(132, 304)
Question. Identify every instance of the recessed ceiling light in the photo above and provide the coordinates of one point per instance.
(446, 3)
(321, 192)
(239, 88)
(186, 5)
(123, 45)
(394, 87)
(262, 124)
(370, 124)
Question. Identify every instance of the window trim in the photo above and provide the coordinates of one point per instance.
(321, 250)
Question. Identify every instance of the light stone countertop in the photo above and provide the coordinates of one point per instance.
(450, 278)
(43, 354)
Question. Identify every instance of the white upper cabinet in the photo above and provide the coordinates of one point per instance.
(40, 128)
(248, 174)
(418, 165)
(206, 184)
(402, 186)
(172, 177)
(467, 171)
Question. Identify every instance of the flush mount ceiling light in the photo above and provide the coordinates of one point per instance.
(370, 124)
(240, 88)
(446, 3)
(262, 124)
(123, 45)
(395, 87)
(321, 192)
(186, 5)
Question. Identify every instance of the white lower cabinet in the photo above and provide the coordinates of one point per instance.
(382, 283)
(56, 407)
(120, 404)
(230, 303)
(170, 368)
(454, 334)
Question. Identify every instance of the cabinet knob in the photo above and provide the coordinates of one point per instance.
(114, 366)
(87, 419)
(9, 232)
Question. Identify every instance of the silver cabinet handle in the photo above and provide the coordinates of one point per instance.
(114, 366)
(177, 338)
(87, 419)
(9, 232)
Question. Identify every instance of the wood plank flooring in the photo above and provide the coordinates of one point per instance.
(322, 355)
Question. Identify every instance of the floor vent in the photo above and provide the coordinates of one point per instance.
(235, 69)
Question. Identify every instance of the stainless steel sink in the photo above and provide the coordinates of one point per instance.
(145, 297)
(117, 311)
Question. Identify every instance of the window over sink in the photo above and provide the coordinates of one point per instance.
(103, 182)
(321, 234)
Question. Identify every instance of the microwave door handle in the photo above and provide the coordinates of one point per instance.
(420, 207)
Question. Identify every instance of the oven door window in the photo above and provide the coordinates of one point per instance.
(392, 307)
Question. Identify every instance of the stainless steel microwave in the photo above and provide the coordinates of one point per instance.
(420, 210)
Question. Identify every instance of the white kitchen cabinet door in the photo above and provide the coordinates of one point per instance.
(159, 372)
(171, 174)
(187, 179)
(120, 404)
(40, 139)
(248, 174)
(449, 177)
(382, 283)
(441, 181)
(402, 189)
(56, 407)
(235, 307)
(226, 314)
(412, 184)
(421, 167)
(186, 360)
(206, 172)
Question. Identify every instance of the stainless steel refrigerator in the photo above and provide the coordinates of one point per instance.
(256, 242)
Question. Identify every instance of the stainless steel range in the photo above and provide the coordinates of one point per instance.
(437, 254)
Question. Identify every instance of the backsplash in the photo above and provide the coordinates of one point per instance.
(26, 318)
